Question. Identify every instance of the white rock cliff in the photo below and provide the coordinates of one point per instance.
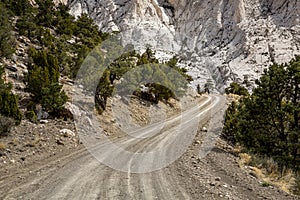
(225, 40)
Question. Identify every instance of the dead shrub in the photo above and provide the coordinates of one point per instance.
(6, 123)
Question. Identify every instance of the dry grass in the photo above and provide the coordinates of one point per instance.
(244, 160)
(236, 150)
(268, 171)
(259, 173)
(286, 181)
(2, 146)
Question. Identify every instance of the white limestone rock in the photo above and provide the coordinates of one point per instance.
(222, 40)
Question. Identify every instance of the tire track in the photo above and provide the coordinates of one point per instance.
(80, 176)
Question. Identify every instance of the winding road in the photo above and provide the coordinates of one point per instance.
(154, 168)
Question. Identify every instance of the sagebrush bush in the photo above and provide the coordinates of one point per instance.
(297, 186)
(6, 123)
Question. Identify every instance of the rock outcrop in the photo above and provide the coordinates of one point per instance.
(223, 40)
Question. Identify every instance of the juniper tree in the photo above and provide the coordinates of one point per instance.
(267, 122)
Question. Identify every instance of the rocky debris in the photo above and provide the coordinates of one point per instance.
(16, 66)
(218, 176)
(29, 142)
(197, 142)
(67, 133)
(42, 115)
(113, 120)
(73, 109)
(44, 121)
(60, 142)
(12, 68)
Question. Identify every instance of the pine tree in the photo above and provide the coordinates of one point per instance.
(45, 16)
(8, 101)
(26, 26)
(53, 98)
(7, 40)
(42, 81)
(19, 7)
(147, 57)
(198, 89)
(9, 105)
(236, 88)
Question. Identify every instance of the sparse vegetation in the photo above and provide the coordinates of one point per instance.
(268, 170)
(150, 80)
(62, 42)
(266, 184)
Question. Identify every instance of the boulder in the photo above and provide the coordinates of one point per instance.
(43, 121)
(67, 133)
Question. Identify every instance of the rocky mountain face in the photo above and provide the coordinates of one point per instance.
(223, 40)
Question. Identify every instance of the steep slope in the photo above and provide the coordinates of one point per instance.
(224, 39)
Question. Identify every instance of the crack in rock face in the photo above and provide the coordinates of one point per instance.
(222, 40)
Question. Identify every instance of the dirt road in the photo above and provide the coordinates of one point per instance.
(79, 175)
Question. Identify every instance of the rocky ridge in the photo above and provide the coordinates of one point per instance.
(227, 40)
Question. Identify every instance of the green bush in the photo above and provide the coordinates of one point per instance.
(53, 98)
(231, 123)
(46, 13)
(156, 93)
(9, 105)
(31, 116)
(19, 7)
(25, 26)
(38, 24)
(236, 88)
(42, 72)
(8, 101)
(31, 106)
(50, 27)
(7, 39)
